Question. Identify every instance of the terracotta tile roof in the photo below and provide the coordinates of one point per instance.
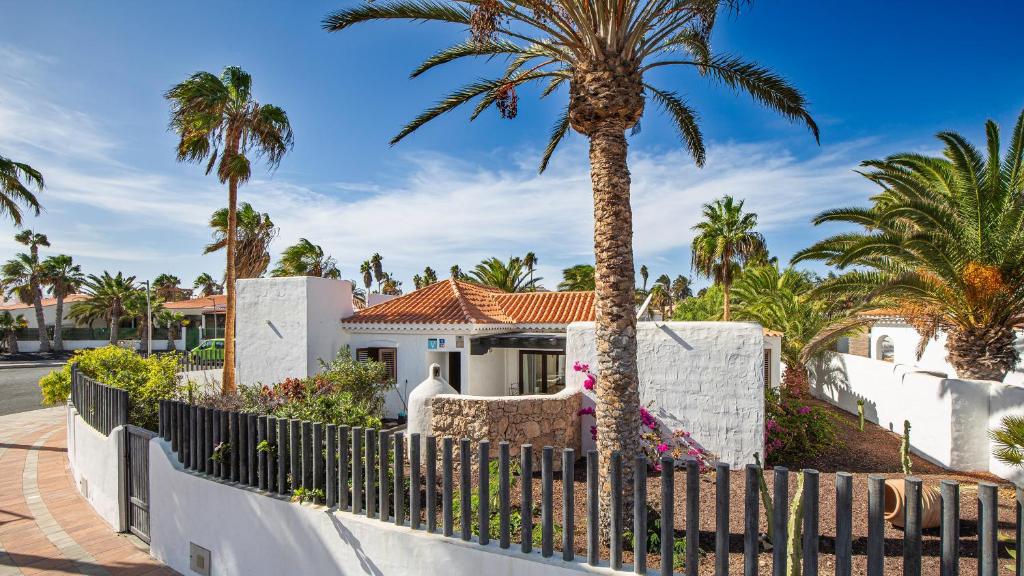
(216, 302)
(775, 333)
(69, 299)
(457, 302)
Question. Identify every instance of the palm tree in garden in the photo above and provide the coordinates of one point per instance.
(16, 181)
(785, 301)
(206, 284)
(377, 267)
(168, 287)
(429, 276)
(107, 296)
(578, 278)
(221, 124)
(173, 322)
(9, 326)
(64, 277)
(943, 243)
(456, 272)
(602, 51)
(681, 289)
(255, 232)
(366, 269)
(306, 259)
(664, 287)
(508, 276)
(32, 271)
(726, 239)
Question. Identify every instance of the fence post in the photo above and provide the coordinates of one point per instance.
(431, 482)
(668, 520)
(639, 514)
(780, 529)
(316, 453)
(692, 516)
(235, 452)
(332, 465)
(504, 498)
(175, 428)
(283, 456)
(912, 527)
(950, 563)
(484, 491)
(568, 504)
(399, 477)
(344, 500)
(254, 464)
(208, 440)
(272, 454)
(844, 523)
(465, 489)
(383, 500)
(876, 525)
(750, 520)
(988, 537)
(546, 502)
(1019, 539)
(414, 481)
(446, 486)
(615, 523)
(357, 470)
(593, 522)
(371, 464)
(721, 519)
(810, 523)
(526, 496)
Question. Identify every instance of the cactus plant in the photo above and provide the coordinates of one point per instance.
(860, 414)
(794, 548)
(766, 496)
(905, 449)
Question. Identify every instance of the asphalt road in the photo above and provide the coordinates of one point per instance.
(19, 385)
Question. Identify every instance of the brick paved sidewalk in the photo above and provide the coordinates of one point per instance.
(46, 527)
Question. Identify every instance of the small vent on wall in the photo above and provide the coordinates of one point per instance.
(198, 559)
(83, 487)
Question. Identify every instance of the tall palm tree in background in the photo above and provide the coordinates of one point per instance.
(64, 277)
(664, 297)
(508, 276)
(578, 278)
(366, 269)
(21, 277)
(254, 233)
(16, 179)
(726, 239)
(530, 261)
(9, 326)
(107, 296)
(206, 284)
(785, 301)
(214, 115)
(943, 242)
(167, 287)
(35, 281)
(306, 259)
(456, 272)
(377, 267)
(602, 50)
(681, 289)
(429, 276)
(140, 310)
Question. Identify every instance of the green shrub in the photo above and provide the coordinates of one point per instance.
(795, 432)
(147, 380)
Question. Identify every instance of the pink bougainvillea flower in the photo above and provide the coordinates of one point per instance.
(581, 367)
(593, 432)
(588, 411)
(589, 382)
(662, 448)
(804, 410)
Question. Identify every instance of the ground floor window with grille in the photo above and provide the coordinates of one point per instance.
(388, 356)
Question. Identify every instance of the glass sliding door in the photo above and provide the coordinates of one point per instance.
(541, 372)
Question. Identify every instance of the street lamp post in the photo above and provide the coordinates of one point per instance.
(149, 323)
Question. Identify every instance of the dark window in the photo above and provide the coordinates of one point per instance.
(389, 356)
(541, 372)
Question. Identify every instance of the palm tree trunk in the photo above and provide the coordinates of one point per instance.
(726, 304)
(12, 342)
(44, 339)
(618, 406)
(982, 352)
(58, 324)
(228, 378)
(115, 325)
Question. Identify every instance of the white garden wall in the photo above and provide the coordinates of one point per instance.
(905, 338)
(249, 533)
(949, 418)
(704, 377)
(94, 465)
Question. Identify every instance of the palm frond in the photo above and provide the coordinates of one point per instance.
(558, 131)
(415, 10)
(685, 120)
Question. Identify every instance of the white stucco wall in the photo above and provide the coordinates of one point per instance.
(94, 458)
(250, 533)
(286, 325)
(703, 377)
(905, 339)
(949, 418)
(1004, 400)
(489, 372)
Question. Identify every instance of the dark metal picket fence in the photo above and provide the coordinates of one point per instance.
(190, 364)
(342, 467)
(102, 407)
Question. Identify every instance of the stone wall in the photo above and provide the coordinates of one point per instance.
(541, 420)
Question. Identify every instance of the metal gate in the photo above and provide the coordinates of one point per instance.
(137, 480)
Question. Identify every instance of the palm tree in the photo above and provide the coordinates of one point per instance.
(644, 274)
(173, 321)
(784, 301)
(390, 286)
(530, 261)
(681, 289)
(508, 276)
(943, 242)
(664, 297)
(726, 238)
(9, 326)
(429, 276)
(64, 277)
(456, 272)
(306, 259)
(168, 288)
(578, 278)
(377, 266)
(255, 232)
(366, 269)
(106, 300)
(35, 285)
(207, 285)
(137, 308)
(602, 50)
(212, 115)
(16, 179)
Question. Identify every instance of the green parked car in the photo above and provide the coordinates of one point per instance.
(212, 349)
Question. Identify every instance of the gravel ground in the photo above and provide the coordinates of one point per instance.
(874, 451)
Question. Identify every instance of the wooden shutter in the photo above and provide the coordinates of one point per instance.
(362, 354)
(767, 368)
(389, 356)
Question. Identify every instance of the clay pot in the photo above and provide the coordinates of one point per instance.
(895, 504)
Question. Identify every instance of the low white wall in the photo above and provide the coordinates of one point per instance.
(905, 338)
(949, 418)
(704, 377)
(1004, 400)
(249, 532)
(94, 462)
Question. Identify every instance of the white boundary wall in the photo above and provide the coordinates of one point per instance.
(949, 418)
(94, 462)
(248, 532)
(704, 377)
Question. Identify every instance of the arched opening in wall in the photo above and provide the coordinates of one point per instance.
(884, 349)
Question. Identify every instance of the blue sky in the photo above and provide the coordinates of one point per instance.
(81, 88)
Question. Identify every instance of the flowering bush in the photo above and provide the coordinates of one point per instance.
(656, 441)
(794, 432)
